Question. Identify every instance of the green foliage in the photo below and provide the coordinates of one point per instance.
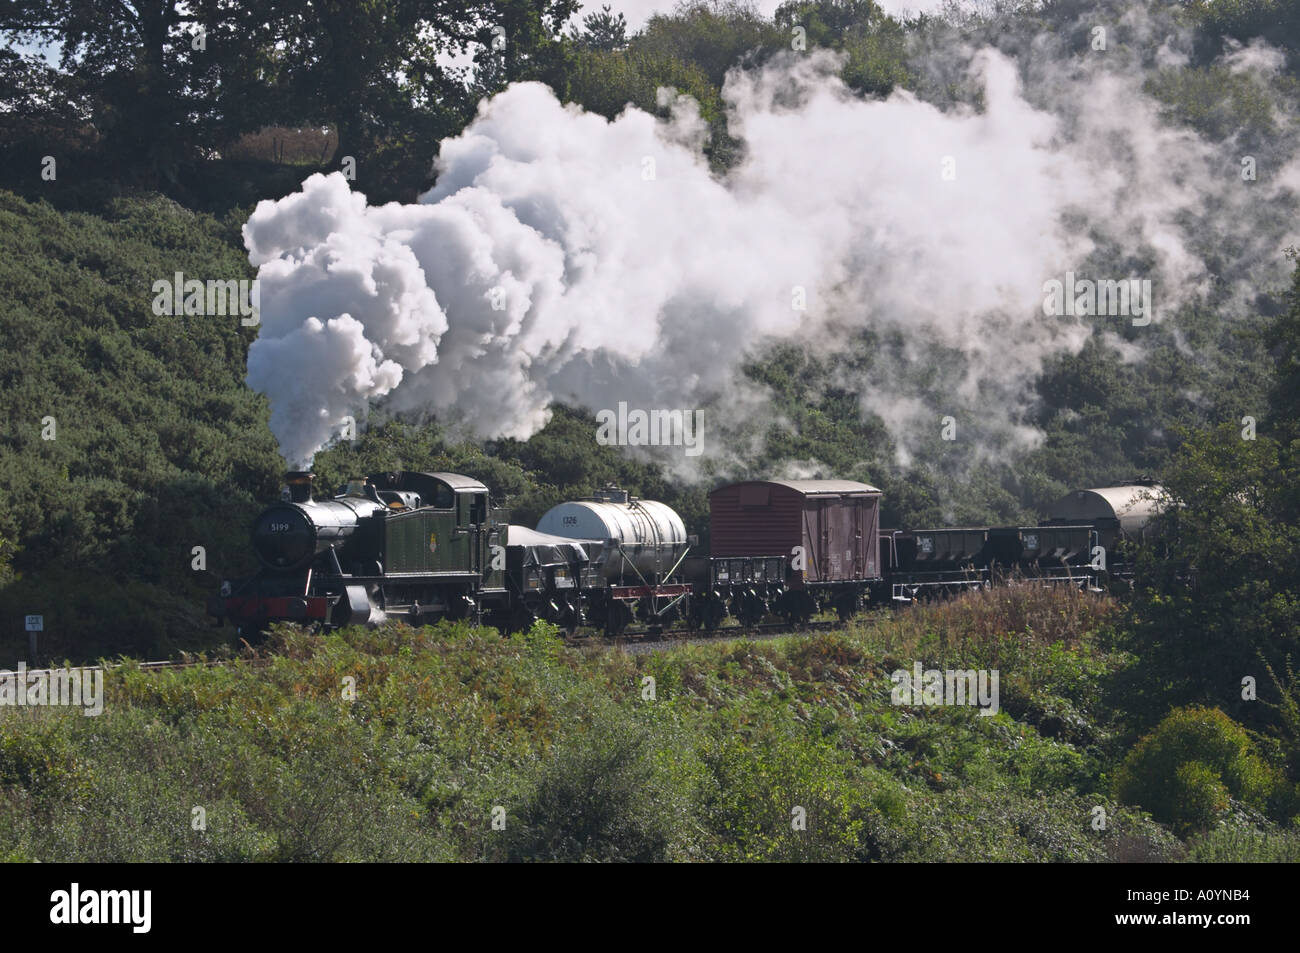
(1276, 21)
(602, 30)
(1219, 102)
(1284, 342)
(1287, 719)
(713, 35)
(1231, 526)
(156, 93)
(451, 723)
(1236, 843)
(1199, 797)
(606, 82)
(613, 789)
(131, 436)
(873, 43)
(1185, 771)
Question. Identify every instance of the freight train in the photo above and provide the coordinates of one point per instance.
(426, 546)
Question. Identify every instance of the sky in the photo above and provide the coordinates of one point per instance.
(638, 11)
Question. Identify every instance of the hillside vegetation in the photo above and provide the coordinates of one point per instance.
(448, 724)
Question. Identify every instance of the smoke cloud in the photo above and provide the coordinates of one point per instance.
(564, 256)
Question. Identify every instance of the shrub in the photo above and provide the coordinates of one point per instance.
(1185, 770)
(611, 791)
(1199, 797)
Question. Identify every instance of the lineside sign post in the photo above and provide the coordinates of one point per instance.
(35, 623)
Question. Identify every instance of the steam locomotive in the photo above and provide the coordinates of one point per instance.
(427, 546)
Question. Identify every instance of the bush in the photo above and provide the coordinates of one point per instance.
(1185, 771)
(1199, 797)
(613, 791)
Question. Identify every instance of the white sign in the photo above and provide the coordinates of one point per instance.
(36, 623)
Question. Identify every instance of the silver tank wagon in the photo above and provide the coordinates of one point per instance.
(636, 536)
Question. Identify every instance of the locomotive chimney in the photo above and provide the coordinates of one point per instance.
(299, 485)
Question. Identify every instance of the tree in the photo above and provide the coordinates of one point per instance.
(1185, 771)
(170, 83)
(1284, 343)
(1225, 597)
(522, 40)
(155, 72)
(873, 42)
(602, 31)
(714, 35)
(1220, 602)
(1276, 21)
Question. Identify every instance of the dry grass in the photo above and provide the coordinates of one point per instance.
(1041, 615)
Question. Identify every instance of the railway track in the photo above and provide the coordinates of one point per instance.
(633, 642)
(149, 666)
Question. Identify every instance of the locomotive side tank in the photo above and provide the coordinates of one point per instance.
(636, 536)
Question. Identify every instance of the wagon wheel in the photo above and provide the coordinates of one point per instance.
(846, 607)
(752, 609)
(521, 620)
(799, 607)
(573, 620)
(617, 619)
(713, 613)
(691, 614)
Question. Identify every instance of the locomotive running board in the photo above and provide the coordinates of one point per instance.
(642, 592)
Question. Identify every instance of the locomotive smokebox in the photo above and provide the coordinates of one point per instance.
(299, 485)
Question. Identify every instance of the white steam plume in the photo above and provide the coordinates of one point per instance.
(563, 256)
